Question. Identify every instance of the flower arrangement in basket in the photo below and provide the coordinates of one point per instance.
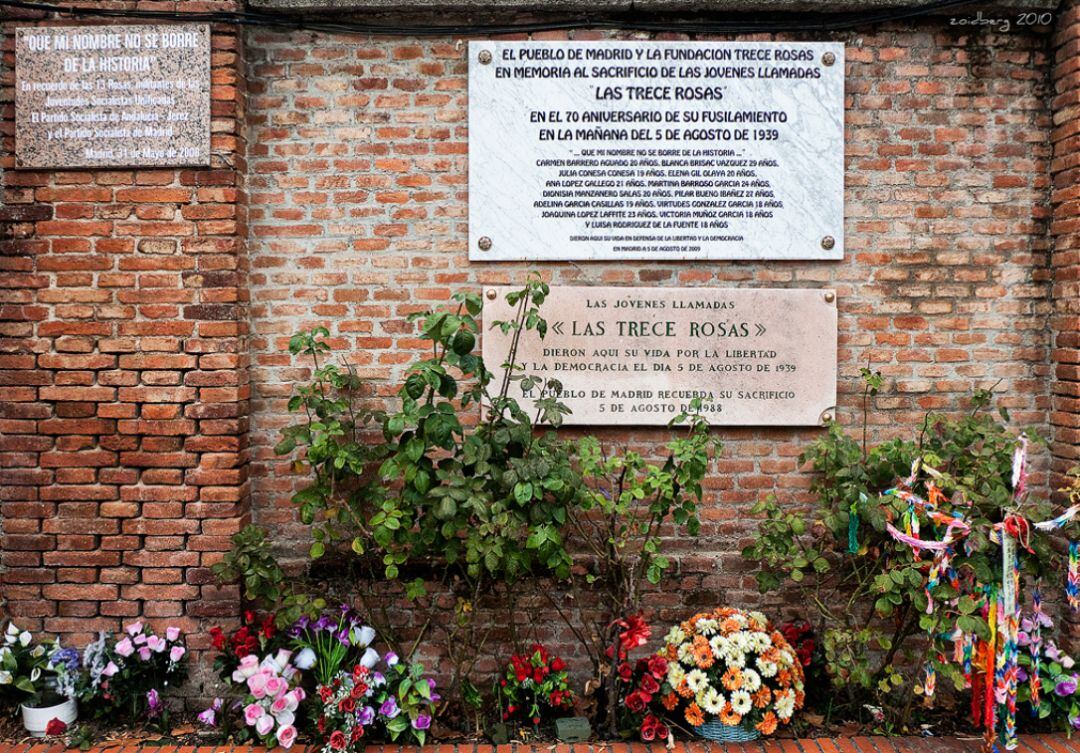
(731, 675)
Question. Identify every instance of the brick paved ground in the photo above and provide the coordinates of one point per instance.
(1028, 744)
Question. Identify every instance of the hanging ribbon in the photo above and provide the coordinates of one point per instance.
(1035, 647)
(1072, 584)
(1010, 665)
(853, 525)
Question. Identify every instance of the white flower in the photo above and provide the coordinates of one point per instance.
(25, 638)
(708, 627)
(305, 659)
(751, 680)
(5, 677)
(711, 702)
(741, 702)
(759, 618)
(767, 668)
(719, 645)
(35, 673)
(785, 704)
(365, 636)
(675, 635)
(370, 658)
(696, 680)
(686, 653)
(675, 674)
(736, 659)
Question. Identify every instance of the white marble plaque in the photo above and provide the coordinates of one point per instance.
(656, 150)
(638, 356)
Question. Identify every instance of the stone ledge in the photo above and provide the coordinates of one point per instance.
(647, 6)
(1057, 743)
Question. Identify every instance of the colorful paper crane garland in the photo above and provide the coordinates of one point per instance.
(991, 668)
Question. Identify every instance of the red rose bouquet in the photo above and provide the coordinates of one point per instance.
(535, 687)
(256, 635)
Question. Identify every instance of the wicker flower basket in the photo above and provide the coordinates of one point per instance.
(714, 729)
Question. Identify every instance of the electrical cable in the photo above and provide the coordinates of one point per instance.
(790, 22)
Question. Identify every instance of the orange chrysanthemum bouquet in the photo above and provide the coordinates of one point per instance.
(731, 675)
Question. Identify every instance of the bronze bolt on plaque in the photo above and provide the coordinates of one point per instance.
(638, 356)
(112, 96)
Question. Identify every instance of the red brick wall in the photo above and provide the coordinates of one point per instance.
(1065, 231)
(123, 377)
(358, 204)
(124, 312)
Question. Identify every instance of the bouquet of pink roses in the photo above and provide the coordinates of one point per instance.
(127, 675)
(272, 696)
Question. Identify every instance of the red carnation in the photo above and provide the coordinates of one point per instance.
(636, 701)
(635, 632)
(649, 684)
(557, 664)
(337, 740)
(347, 705)
(626, 671)
(217, 638)
(55, 727)
(658, 666)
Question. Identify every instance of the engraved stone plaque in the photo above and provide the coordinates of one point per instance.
(638, 356)
(112, 96)
(656, 150)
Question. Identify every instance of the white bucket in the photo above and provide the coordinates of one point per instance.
(36, 720)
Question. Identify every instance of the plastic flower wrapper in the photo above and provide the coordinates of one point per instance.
(535, 687)
(128, 674)
(65, 664)
(337, 639)
(363, 702)
(270, 697)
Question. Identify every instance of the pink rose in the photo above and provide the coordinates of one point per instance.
(144, 653)
(133, 628)
(264, 724)
(276, 687)
(279, 705)
(110, 669)
(124, 648)
(286, 736)
(172, 633)
(299, 694)
(257, 684)
(155, 644)
(139, 639)
(252, 713)
(177, 653)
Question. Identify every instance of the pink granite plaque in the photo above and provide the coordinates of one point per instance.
(757, 357)
(112, 96)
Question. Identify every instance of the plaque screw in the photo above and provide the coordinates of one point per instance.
(830, 297)
(484, 243)
(484, 56)
(828, 58)
(826, 243)
(491, 295)
(826, 417)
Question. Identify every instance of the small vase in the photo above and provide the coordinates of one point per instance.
(716, 730)
(36, 720)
